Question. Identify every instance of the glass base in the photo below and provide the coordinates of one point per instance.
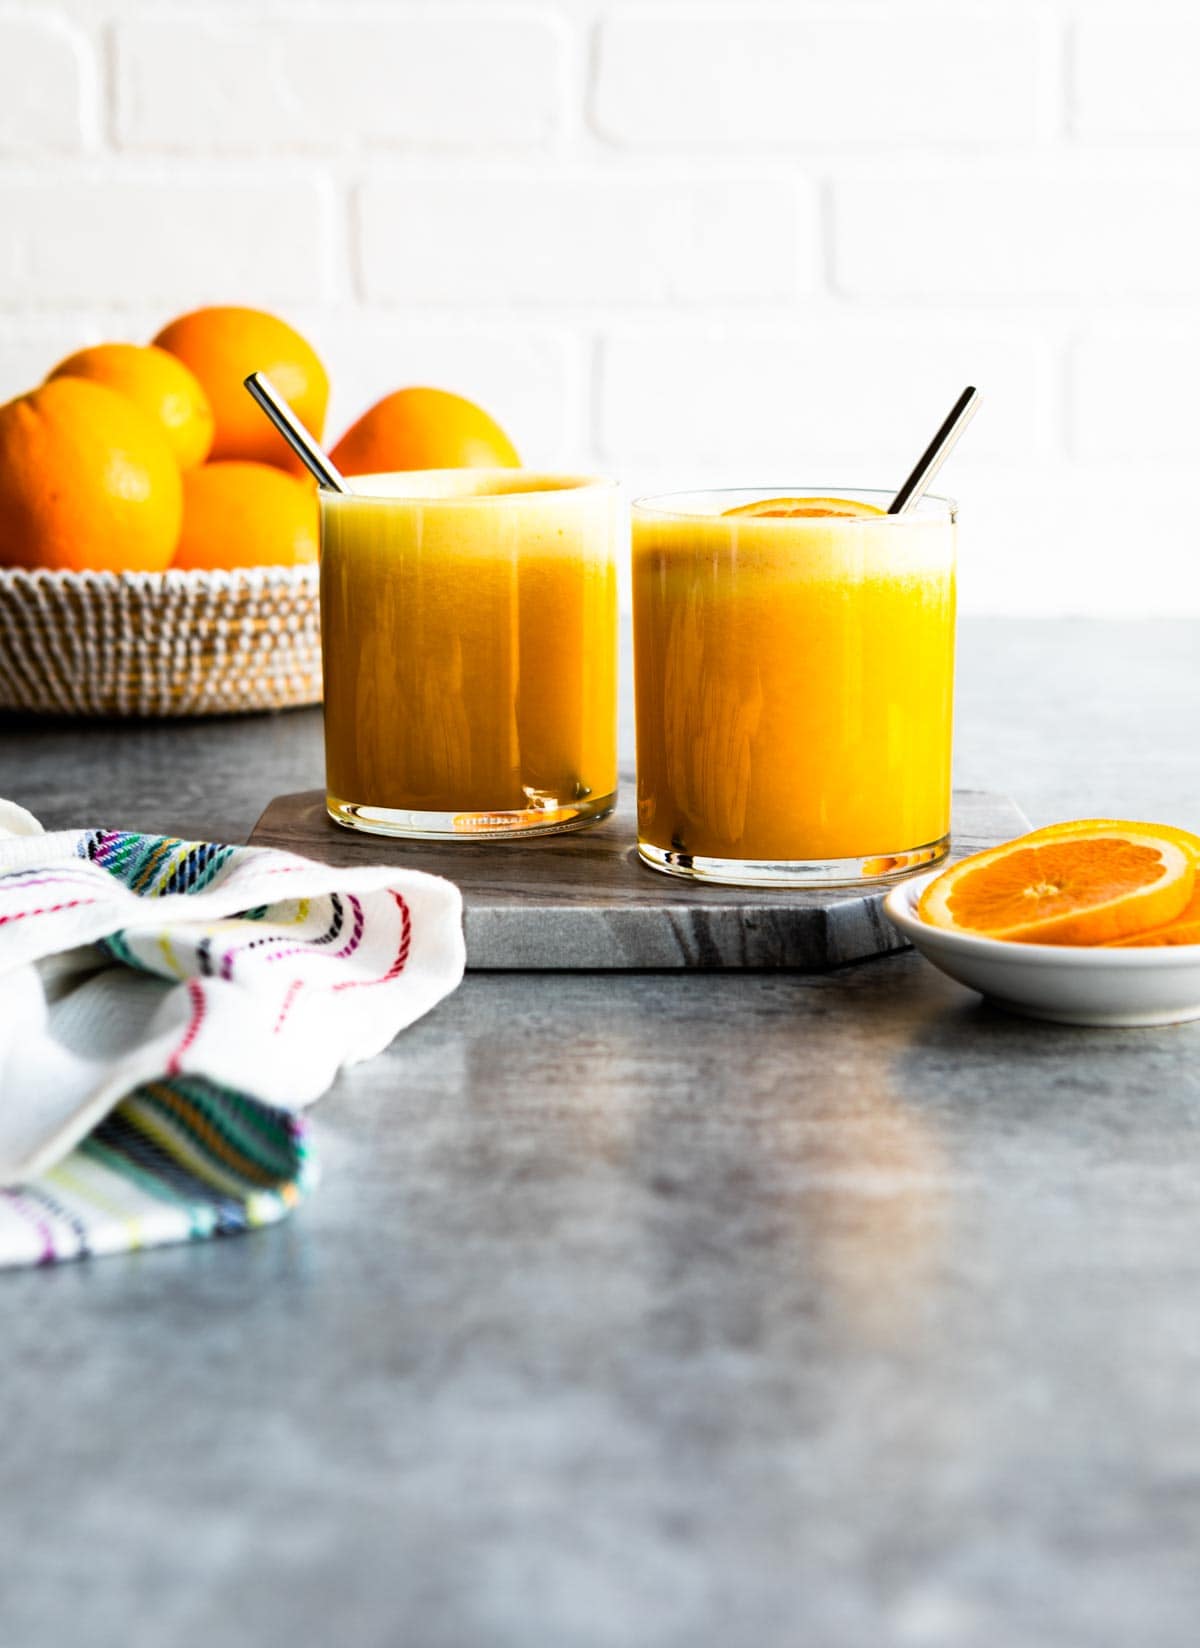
(877, 870)
(548, 818)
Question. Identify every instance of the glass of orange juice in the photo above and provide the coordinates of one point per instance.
(469, 644)
(794, 673)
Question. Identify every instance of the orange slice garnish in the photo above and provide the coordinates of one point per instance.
(1091, 883)
(793, 508)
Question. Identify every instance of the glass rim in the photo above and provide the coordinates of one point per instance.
(659, 504)
(540, 483)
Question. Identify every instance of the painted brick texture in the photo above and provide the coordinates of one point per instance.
(685, 240)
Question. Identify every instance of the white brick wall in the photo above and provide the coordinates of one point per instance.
(475, 78)
(686, 240)
(1080, 228)
(748, 76)
(582, 238)
(44, 102)
(734, 393)
(1133, 392)
(1136, 76)
(112, 237)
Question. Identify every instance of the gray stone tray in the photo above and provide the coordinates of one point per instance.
(585, 901)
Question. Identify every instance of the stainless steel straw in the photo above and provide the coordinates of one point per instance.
(936, 453)
(295, 434)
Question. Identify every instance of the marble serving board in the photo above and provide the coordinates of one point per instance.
(585, 901)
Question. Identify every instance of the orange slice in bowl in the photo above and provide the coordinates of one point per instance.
(1185, 929)
(795, 508)
(1087, 884)
(1183, 838)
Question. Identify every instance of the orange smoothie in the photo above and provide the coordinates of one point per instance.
(794, 681)
(468, 632)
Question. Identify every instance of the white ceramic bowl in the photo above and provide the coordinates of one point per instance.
(1067, 983)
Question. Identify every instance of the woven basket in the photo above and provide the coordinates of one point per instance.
(159, 643)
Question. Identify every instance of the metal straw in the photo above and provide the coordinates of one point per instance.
(936, 453)
(294, 433)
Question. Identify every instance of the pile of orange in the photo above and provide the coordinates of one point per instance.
(1105, 882)
(136, 458)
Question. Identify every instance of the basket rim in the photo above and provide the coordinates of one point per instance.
(173, 578)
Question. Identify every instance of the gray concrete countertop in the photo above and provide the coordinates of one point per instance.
(653, 1311)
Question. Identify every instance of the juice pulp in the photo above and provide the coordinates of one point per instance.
(468, 632)
(794, 680)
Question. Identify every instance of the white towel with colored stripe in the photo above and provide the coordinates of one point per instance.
(167, 1010)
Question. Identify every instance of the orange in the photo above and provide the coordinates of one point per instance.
(162, 386)
(246, 514)
(423, 429)
(791, 508)
(1081, 886)
(1182, 838)
(1185, 929)
(222, 346)
(87, 481)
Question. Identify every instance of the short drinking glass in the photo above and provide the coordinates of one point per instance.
(794, 684)
(469, 642)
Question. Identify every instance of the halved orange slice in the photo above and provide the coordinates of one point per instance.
(1087, 884)
(793, 508)
(1183, 838)
(1185, 929)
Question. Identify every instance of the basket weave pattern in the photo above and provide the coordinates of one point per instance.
(170, 643)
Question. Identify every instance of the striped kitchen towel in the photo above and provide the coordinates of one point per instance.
(167, 1008)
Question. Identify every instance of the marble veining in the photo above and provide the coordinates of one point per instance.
(584, 900)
